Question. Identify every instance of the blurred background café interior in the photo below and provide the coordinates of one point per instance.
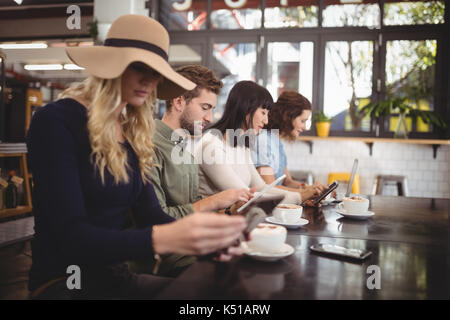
(341, 54)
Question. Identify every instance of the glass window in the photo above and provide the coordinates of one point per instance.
(183, 54)
(184, 15)
(290, 67)
(236, 14)
(348, 83)
(297, 14)
(366, 14)
(179, 55)
(414, 12)
(410, 72)
(233, 62)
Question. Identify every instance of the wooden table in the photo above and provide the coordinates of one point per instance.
(409, 238)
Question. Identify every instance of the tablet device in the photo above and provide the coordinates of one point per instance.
(270, 186)
(258, 211)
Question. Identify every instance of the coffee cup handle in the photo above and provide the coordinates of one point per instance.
(339, 206)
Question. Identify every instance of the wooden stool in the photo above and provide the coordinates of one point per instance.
(344, 176)
(400, 181)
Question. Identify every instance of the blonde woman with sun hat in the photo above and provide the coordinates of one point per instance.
(91, 156)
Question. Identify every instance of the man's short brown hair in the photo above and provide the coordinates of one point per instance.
(202, 77)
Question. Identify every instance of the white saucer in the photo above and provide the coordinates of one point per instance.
(286, 251)
(359, 216)
(295, 225)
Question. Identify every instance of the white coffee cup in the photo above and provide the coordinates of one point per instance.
(287, 213)
(354, 204)
(267, 238)
(340, 195)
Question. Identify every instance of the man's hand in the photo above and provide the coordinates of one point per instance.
(229, 197)
(223, 199)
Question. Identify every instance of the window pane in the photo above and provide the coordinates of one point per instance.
(183, 54)
(410, 70)
(348, 83)
(179, 55)
(247, 16)
(414, 12)
(366, 14)
(290, 67)
(184, 15)
(299, 13)
(233, 62)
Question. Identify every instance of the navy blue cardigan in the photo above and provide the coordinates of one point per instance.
(79, 221)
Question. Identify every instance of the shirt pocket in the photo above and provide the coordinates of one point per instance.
(178, 188)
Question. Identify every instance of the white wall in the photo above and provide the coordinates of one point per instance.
(426, 177)
(106, 11)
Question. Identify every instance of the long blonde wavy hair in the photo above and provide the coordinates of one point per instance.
(102, 97)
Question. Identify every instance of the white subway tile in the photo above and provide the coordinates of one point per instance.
(434, 187)
(427, 194)
(408, 155)
(423, 165)
(433, 165)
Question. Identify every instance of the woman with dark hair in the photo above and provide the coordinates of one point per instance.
(247, 108)
(287, 120)
(225, 155)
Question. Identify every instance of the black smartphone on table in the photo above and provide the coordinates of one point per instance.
(339, 251)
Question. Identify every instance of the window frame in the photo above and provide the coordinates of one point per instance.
(319, 36)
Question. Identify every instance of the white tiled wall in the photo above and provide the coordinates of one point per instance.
(426, 176)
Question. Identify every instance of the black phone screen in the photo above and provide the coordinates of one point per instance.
(330, 189)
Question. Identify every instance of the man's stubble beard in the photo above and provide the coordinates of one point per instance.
(188, 124)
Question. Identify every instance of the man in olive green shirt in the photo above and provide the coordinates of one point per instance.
(176, 182)
(176, 185)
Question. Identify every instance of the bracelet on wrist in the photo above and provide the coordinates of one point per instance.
(156, 256)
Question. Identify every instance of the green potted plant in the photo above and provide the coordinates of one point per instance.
(93, 30)
(322, 122)
(402, 107)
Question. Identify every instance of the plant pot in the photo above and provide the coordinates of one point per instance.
(323, 129)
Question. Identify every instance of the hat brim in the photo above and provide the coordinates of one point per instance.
(110, 62)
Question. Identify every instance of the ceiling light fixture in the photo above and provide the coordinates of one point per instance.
(19, 2)
(350, 1)
(23, 46)
(43, 67)
(71, 66)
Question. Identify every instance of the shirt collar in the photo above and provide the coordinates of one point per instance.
(167, 132)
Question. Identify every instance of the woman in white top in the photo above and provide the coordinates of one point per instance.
(225, 158)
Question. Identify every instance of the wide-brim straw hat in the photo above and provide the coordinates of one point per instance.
(133, 38)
